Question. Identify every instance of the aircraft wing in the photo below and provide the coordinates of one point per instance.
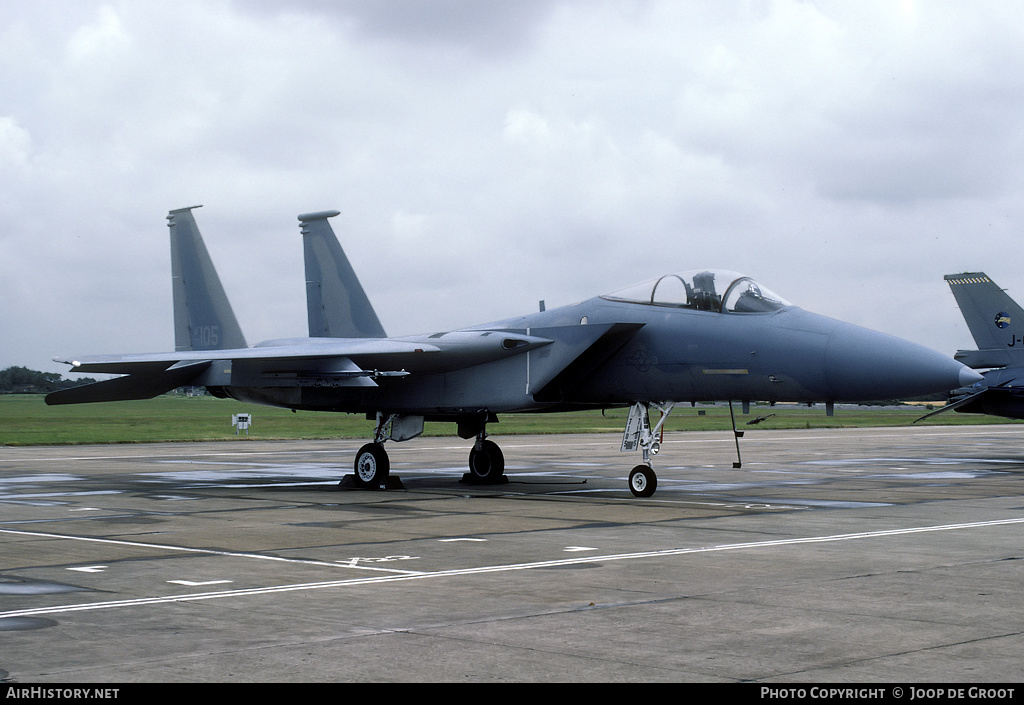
(998, 391)
(351, 362)
(325, 348)
(955, 405)
(298, 362)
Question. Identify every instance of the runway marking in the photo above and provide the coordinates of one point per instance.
(143, 601)
(186, 549)
(354, 562)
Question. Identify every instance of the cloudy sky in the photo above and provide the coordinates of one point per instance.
(486, 155)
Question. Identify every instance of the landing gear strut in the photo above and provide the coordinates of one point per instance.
(639, 434)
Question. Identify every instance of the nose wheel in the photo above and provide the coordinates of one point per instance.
(642, 481)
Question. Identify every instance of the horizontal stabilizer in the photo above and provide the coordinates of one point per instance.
(129, 387)
(981, 359)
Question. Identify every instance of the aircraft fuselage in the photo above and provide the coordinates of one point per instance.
(677, 354)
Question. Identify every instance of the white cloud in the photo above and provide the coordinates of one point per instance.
(487, 155)
(103, 40)
(15, 144)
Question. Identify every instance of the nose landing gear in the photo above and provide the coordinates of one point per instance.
(639, 434)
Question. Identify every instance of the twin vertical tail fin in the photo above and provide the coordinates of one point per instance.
(203, 319)
(336, 304)
(995, 320)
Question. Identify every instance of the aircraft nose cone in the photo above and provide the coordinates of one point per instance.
(969, 377)
(864, 365)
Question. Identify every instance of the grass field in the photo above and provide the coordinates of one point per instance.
(26, 420)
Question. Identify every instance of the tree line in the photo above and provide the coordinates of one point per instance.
(15, 380)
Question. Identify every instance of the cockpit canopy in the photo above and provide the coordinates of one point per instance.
(717, 290)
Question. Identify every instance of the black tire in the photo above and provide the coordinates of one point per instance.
(487, 463)
(372, 466)
(642, 481)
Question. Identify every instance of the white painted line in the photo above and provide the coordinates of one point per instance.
(185, 549)
(143, 601)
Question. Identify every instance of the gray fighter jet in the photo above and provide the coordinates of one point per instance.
(696, 336)
(997, 324)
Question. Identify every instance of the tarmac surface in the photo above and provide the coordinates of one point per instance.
(885, 555)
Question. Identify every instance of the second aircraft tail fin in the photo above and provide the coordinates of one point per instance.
(203, 319)
(993, 318)
(336, 304)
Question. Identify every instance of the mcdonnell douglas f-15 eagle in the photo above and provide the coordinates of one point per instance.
(702, 335)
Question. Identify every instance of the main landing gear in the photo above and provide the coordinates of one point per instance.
(486, 463)
(372, 468)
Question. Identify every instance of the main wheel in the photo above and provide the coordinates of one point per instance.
(487, 463)
(372, 466)
(642, 481)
